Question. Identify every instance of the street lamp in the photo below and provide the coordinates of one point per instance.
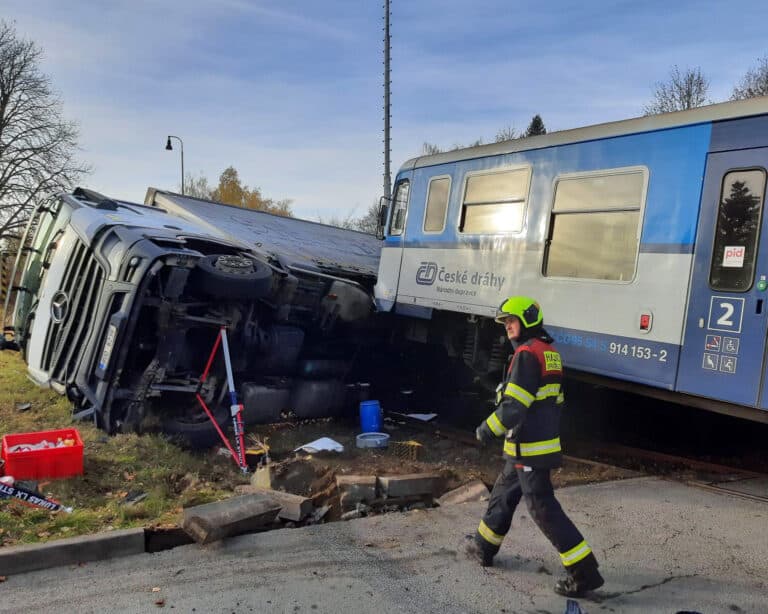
(169, 147)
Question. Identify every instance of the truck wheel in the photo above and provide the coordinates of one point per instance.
(194, 429)
(233, 276)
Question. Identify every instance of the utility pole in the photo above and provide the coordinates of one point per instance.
(387, 105)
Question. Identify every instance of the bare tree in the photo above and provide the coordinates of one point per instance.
(475, 143)
(507, 133)
(369, 221)
(197, 186)
(754, 82)
(37, 146)
(429, 149)
(684, 90)
(347, 221)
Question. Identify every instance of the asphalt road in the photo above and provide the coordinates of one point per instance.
(663, 546)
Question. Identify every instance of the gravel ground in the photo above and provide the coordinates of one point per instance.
(663, 547)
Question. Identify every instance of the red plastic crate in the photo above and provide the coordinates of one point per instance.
(63, 462)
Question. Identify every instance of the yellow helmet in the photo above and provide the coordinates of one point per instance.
(523, 308)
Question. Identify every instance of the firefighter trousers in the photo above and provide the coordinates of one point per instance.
(516, 482)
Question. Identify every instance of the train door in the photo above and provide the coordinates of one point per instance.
(724, 347)
(392, 253)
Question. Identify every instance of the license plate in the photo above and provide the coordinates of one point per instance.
(108, 345)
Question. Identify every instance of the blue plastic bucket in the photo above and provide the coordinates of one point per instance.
(370, 417)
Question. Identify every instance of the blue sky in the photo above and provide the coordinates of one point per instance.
(289, 91)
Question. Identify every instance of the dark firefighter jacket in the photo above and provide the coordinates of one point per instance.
(531, 401)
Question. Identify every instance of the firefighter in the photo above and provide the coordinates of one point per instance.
(527, 413)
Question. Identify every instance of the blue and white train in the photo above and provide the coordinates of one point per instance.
(644, 241)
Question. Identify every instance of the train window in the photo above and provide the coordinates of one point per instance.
(594, 229)
(437, 204)
(495, 202)
(737, 230)
(397, 224)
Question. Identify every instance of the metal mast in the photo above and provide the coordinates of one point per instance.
(387, 110)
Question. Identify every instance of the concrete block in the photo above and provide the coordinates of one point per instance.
(294, 476)
(71, 551)
(354, 489)
(292, 507)
(410, 485)
(213, 521)
(473, 491)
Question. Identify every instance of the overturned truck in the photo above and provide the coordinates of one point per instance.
(117, 305)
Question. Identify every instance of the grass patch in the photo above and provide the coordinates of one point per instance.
(114, 470)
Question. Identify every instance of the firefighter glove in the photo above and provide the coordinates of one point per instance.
(484, 434)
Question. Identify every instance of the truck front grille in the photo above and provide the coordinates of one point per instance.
(72, 313)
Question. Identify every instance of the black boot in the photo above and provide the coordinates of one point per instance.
(579, 583)
(476, 552)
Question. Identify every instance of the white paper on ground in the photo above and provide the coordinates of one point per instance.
(324, 444)
(423, 417)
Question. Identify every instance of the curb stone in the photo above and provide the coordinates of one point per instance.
(71, 551)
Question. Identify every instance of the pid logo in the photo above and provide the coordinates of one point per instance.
(426, 273)
(733, 256)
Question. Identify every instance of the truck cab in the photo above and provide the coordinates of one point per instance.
(117, 305)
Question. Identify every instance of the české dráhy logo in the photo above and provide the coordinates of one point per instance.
(426, 273)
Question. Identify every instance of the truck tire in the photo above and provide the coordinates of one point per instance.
(194, 429)
(233, 276)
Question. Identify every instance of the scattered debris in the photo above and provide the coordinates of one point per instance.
(422, 417)
(213, 521)
(474, 491)
(21, 407)
(354, 489)
(155, 589)
(258, 452)
(31, 498)
(319, 514)
(407, 450)
(324, 444)
(361, 509)
(419, 505)
(160, 602)
(134, 497)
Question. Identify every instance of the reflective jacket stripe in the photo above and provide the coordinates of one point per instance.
(489, 535)
(534, 448)
(495, 425)
(574, 555)
(520, 394)
(550, 390)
